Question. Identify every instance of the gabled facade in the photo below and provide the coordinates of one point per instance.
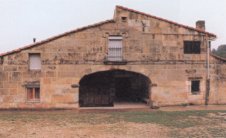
(135, 57)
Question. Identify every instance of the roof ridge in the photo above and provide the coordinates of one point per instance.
(218, 57)
(166, 20)
(55, 37)
(97, 24)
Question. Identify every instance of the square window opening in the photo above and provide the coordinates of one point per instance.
(192, 47)
(124, 19)
(33, 94)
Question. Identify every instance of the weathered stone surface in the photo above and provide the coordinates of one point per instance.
(151, 47)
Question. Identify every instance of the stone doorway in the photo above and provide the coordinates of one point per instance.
(103, 89)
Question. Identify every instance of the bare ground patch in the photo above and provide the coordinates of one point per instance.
(115, 124)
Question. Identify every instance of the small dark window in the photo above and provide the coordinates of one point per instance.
(192, 47)
(124, 19)
(33, 94)
(195, 86)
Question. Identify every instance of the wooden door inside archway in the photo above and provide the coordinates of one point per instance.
(107, 87)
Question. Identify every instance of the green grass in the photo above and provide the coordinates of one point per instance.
(177, 119)
(196, 123)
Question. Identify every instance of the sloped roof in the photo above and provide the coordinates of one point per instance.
(98, 24)
(56, 37)
(165, 20)
(217, 57)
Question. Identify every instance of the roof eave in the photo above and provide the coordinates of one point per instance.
(169, 21)
(218, 57)
(56, 37)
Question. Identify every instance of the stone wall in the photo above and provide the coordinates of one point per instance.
(151, 47)
(217, 81)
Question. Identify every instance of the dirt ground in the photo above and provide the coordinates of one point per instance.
(37, 124)
(46, 129)
(143, 123)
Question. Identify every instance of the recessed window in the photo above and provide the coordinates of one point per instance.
(192, 47)
(195, 86)
(34, 61)
(114, 48)
(33, 94)
(124, 19)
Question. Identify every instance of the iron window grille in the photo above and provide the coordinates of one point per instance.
(114, 48)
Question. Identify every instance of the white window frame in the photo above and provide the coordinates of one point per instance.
(115, 51)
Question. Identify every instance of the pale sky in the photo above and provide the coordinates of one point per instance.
(22, 20)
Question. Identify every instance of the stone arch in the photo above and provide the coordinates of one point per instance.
(104, 88)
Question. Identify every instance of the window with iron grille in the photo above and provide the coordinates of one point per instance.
(195, 86)
(192, 47)
(114, 48)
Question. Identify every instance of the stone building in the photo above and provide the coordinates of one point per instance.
(134, 57)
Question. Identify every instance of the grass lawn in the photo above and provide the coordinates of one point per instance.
(113, 124)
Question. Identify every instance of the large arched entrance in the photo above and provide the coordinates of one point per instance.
(107, 87)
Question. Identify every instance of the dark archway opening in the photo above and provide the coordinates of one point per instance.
(107, 87)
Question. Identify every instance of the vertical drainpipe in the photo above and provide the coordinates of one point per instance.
(208, 59)
(208, 43)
